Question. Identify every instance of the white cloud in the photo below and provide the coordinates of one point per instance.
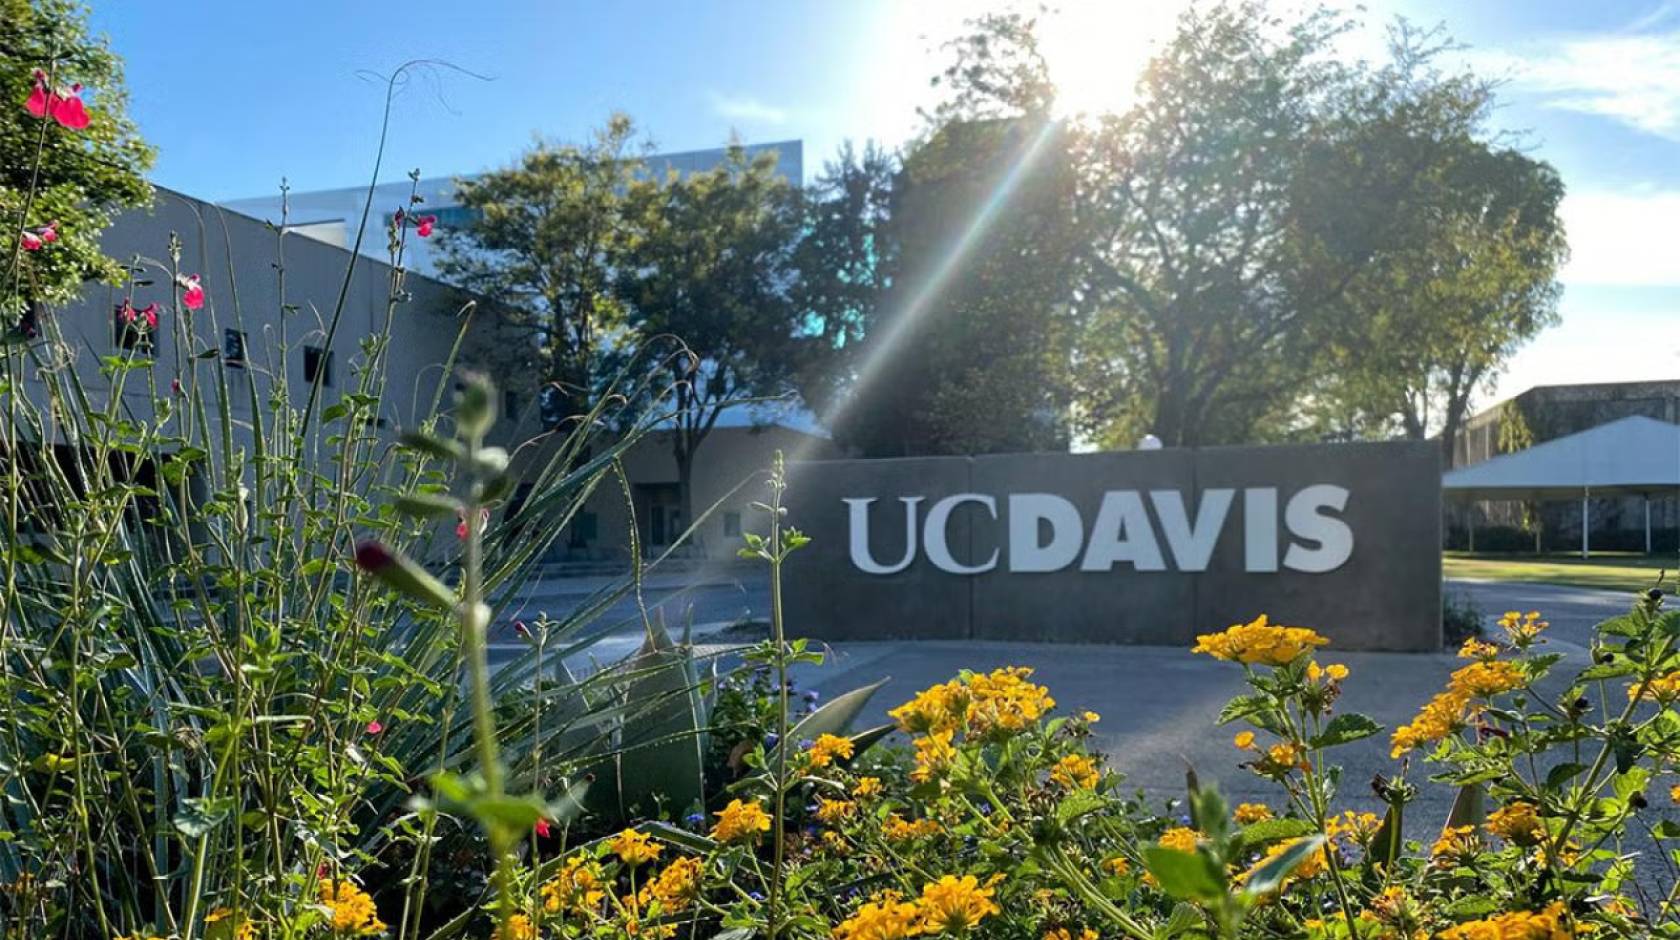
(737, 108)
(1626, 77)
(1624, 237)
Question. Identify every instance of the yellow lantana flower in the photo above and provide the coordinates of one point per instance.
(1259, 643)
(635, 848)
(887, 917)
(741, 822)
(827, 747)
(351, 910)
(954, 905)
(1075, 772)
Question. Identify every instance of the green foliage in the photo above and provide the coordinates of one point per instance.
(550, 234)
(79, 178)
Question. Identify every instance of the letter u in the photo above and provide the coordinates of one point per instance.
(859, 535)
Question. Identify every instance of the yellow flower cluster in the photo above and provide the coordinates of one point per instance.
(1248, 814)
(1549, 924)
(1117, 865)
(934, 752)
(1075, 772)
(1001, 700)
(898, 829)
(519, 927)
(1315, 864)
(675, 886)
(1476, 649)
(1518, 822)
(936, 708)
(1455, 844)
(835, 811)
(1486, 679)
(887, 917)
(1063, 933)
(351, 910)
(1004, 700)
(1522, 629)
(740, 822)
(635, 848)
(1179, 839)
(1444, 714)
(954, 905)
(827, 747)
(238, 927)
(1259, 642)
(1664, 689)
(867, 787)
(576, 888)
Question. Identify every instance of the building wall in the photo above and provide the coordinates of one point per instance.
(1553, 411)
(728, 477)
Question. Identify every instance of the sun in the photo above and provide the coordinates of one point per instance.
(1096, 49)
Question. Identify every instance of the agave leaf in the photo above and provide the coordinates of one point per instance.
(833, 717)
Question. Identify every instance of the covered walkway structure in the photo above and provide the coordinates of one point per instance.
(1633, 456)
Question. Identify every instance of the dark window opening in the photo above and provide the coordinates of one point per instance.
(132, 331)
(510, 404)
(233, 348)
(318, 361)
(731, 524)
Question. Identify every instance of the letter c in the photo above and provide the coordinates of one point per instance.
(933, 534)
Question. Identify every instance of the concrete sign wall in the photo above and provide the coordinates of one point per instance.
(1137, 547)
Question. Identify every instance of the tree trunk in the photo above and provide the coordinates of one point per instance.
(684, 454)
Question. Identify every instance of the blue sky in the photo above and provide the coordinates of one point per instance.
(237, 95)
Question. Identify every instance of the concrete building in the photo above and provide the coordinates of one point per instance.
(332, 215)
(1541, 414)
(244, 323)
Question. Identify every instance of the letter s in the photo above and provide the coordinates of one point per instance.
(1305, 521)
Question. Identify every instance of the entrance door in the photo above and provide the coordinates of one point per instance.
(660, 505)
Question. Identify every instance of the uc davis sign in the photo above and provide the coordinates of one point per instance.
(1135, 547)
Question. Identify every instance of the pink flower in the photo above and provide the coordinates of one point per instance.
(150, 313)
(38, 98)
(49, 234)
(520, 628)
(542, 827)
(175, 386)
(461, 526)
(374, 727)
(64, 107)
(192, 295)
(70, 111)
(126, 311)
(424, 226)
(31, 241)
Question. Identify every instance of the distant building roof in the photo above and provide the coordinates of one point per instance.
(1635, 454)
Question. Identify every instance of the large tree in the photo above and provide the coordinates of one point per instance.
(707, 262)
(53, 171)
(1198, 326)
(956, 321)
(1467, 269)
(550, 237)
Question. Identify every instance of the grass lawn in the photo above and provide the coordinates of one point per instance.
(1610, 570)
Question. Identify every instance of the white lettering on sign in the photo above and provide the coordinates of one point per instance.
(1045, 532)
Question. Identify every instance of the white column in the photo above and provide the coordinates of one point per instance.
(1470, 515)
(1647, 523)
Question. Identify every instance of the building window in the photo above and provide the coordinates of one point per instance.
(318, 361)
(585, 529)
(27, 326)
(731, 524)
(133, 330)
(233, 348)
(510, 404)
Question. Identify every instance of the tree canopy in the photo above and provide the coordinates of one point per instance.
(78, 177)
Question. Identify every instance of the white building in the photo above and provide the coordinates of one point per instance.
(332, 215)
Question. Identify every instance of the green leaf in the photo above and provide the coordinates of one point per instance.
(1192, 876)
(693, 841)
(1343, 729)
(199, 815)
(834, 717)
(1243, 706)
(1467, 808)
(1273, 830)
(1562, 774)
(1390, 838)
(1078, 803)
(428, 505)
(1266, 878)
